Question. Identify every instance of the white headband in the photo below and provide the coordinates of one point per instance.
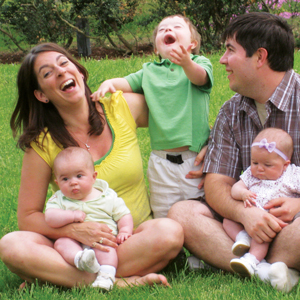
(270, 147)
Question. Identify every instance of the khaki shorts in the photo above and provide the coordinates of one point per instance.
(167, 183)
(215, 215)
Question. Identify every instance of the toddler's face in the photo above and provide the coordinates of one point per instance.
(266, 165)
(171, 33)
(75, 180)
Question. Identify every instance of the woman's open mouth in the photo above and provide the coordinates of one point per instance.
(67, 85)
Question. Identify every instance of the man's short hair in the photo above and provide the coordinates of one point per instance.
(264, 30)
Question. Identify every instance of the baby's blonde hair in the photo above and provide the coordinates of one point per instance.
(283, 140)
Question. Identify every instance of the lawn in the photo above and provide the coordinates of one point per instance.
(185, 285)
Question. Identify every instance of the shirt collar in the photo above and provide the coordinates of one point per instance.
(284, 90)
(165, 61)
(280, 96)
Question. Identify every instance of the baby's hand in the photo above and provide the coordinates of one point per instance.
(249, 198)
(122, 237)
(105, 87)
(79, 216)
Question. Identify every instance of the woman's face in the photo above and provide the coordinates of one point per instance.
(59, 80)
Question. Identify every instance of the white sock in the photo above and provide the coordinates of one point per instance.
(250, 257)
(108, 269)
(262, 271)
(76, 258)
(242, 235)
(86, 261)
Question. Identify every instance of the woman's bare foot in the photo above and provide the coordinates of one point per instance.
(23, 285)
(149, 279)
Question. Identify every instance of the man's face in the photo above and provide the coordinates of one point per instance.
(241, 69)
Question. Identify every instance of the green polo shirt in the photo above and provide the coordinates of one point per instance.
(178, 109)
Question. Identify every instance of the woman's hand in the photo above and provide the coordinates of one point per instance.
(93, 234)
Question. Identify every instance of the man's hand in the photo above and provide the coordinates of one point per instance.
(261, 225)
(199, 173)
(283, 208)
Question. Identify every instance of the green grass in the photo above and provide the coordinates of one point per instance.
(185, 285)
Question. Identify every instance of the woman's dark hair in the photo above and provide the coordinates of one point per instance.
(31, 117)
(264, 30)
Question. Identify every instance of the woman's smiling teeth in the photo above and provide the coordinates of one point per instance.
(67, 84)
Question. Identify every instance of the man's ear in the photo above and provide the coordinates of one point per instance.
(40, 96)
(262, 56)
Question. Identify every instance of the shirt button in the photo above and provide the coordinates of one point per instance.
(172, 70)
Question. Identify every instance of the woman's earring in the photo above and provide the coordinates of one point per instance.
(46, 101)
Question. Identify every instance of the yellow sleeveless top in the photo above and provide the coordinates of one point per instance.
(122, 166)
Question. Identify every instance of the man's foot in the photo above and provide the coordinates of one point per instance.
(242, 244)
(282, 278)
(244, 266)
(149, 279)
(104, 281)
(195, 263)
(87, 261)
(177, 264)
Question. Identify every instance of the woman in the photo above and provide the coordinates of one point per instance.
(54, 111)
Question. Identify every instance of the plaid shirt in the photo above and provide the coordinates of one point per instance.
(238, 124)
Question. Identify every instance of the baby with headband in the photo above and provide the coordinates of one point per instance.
(270, 176)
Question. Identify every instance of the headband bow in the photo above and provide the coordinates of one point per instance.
(271, 147)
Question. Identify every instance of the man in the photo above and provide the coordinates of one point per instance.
(259, 59)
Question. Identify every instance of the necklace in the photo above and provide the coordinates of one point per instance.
(85, 143)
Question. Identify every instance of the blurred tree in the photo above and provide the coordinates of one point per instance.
(34, 21)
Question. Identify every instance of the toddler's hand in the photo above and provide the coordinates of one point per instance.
(105, 87)
(181, 58)
(122, 237)
(79, 216)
